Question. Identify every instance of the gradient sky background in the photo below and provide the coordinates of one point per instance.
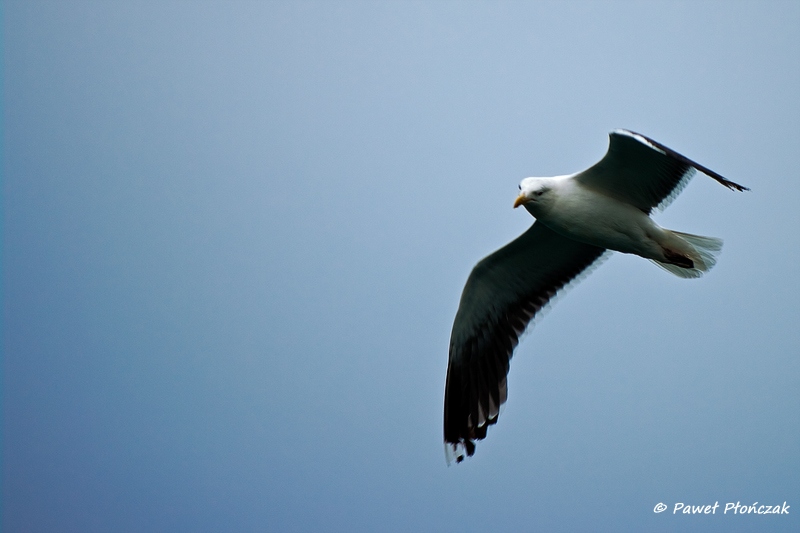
(236, 235)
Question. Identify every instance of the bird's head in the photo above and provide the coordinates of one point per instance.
(536, 194)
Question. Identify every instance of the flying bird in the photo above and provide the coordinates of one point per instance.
(579, 218)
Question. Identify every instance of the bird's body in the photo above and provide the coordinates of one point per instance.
(590, 217)
(583, 214)
(578, 218)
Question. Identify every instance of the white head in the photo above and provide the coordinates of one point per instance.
(536, 194)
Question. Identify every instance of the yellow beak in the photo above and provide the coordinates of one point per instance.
(521, 199)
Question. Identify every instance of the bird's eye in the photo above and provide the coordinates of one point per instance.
(519, 186)
(539, 193)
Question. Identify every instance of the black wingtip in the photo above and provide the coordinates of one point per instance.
(735, 186)
(458, 450)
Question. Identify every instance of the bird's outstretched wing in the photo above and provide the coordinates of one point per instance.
(642, 172)
(503, 293)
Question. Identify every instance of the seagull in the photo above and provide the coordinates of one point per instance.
(579, 218)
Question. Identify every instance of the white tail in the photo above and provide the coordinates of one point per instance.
(703, 252)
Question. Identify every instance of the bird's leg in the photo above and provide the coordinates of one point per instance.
(677, 258)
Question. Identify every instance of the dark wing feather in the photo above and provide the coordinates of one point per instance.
(503, 293)
(642, 172)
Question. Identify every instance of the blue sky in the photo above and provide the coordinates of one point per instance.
(236, 233)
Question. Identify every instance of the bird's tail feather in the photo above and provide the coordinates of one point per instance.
(703, 252)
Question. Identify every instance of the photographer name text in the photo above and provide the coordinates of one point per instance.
(733, 508)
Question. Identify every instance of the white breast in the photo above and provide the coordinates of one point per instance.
(587, 216)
